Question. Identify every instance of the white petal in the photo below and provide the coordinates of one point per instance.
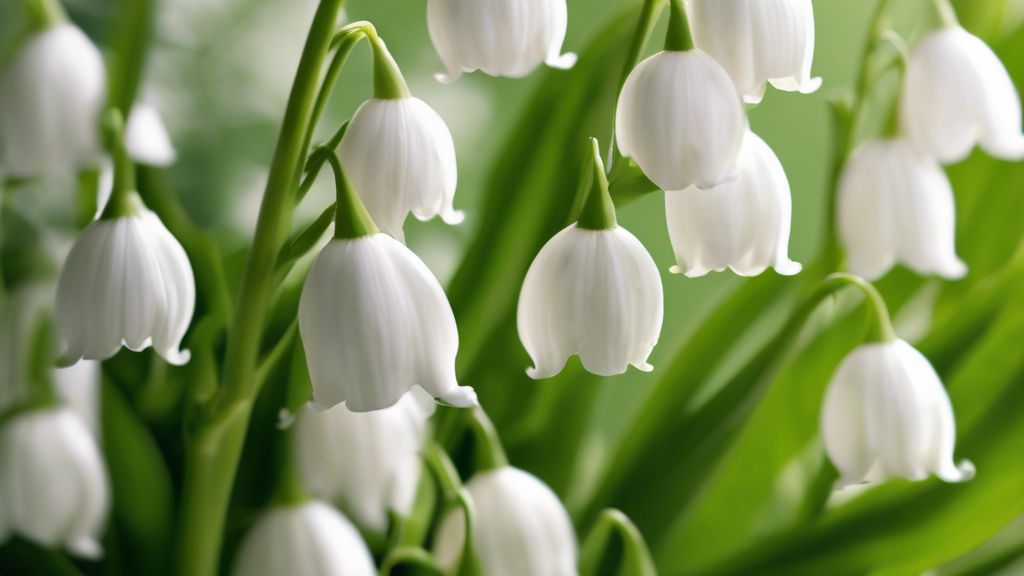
(146, 138)
(843, 425)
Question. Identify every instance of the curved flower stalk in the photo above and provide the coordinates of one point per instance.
(55, 487)
(311, 539)
(743, 225)
(51, 96)
(679, 116)
(896, 205)
(758, 41)
(399, 153)
(593, 290)
(521, 527)
(369, 463)
(374, 320)
(471, 36)
(957, 94)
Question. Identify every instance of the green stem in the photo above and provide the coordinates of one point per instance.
(124, 200)
(388, 83)
(351, 220)
(678, 38)
(490, 453)
(946, 13)
(130, 45)
(598, 211)
(881, 327)
(215, 446)
(290, 491)
(892, 129)
(45, 14)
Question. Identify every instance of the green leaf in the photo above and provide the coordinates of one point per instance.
(615, 547)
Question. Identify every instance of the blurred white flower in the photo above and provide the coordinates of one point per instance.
(886, 414)
(400, 157)
(54, 488)
(127, 281)
(680, 118)
(51, 95)
(375, 322)
(896, 205)
(743, 225)
(956, 94)
(309, 539)
(758, 41)
(500, 37)
(79, 386)
(369, 463)
(521, 527)
(146, 138)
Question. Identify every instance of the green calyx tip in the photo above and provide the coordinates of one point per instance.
(124, 200)
(678, 38)
(388, 83)
(46, 14)
(598, 211)
(351, 220)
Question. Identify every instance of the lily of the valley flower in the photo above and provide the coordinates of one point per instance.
(399, 153)
(146, 137)
(311, 539)
(521, 527)
(679, 116)
(368, 463)
(500, 37)
(758, 41)
(593, 290)
(51, 96)
(53, 482)
(374, 320)
(896, 205)
(743, 225)
(957, 94)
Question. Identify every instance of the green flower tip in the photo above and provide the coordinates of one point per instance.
(678, 38)
(352, 220)
(388, 83)
(46, 14)
(598, 211)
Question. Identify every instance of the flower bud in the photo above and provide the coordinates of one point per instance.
(521, 527)
(51, 96)
(54, 488)
(957, 94)
(743, 225)
(896, 205)
(886, 414)
(500, 37)
(310, 539)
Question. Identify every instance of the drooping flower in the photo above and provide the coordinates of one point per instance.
(500, 37)
(679, 116)
(399, 154)
(55, 490)
(146, 138)
(368, 463)
(886, 414)
(896, 205)
(521, 527)
(311, 539)
(126, 282)
(758, 41)
(957, 94)
(374, 320)
(51, 95)
(743, 225)
(593, 290)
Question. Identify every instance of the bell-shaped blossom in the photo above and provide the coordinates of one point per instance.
(51, 94)
(368, 463)
(680, 118)
(500, 37)
(308, 539)
(956, 93)
(896, 205)
(758, 41)
(400, 157)
(520, 528)
(54, 488)
(743, 225)
(886, 414)
(127, 281)
(146, 138)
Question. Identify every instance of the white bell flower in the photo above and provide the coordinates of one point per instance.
(896, 205)
(500, 37)
(55, 490)
(743, 225)
(51, 95)
(956, 93)
(593, 290)
(886, 414)
(758, 41)
(146, 138)
(311, 539)
(368, 463)
(521, 527)
(126, 282)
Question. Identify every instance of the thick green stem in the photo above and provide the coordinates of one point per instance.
(598, 211)
(679, 38)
